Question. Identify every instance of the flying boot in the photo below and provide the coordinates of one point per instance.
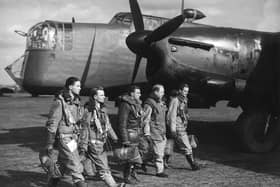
(81, 184)
(192, 162)
(129, 174)
(110, 181)
(166, 161)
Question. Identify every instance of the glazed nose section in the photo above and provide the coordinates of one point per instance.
(16, 70)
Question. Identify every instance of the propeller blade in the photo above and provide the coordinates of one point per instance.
(182, 6)
(136, 66)
(136, 15)
(165, 29)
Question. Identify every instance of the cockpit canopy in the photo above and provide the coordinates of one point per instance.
(42, 36)
(150, 22)
(50, 35)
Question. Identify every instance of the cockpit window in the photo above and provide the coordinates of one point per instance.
(50, 35)
(42, 36)
(150, 22)
(125, 19)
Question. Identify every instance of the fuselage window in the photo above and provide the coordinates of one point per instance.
(68, 36)
(60, 37)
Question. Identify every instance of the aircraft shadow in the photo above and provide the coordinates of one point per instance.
(219, 143)
(31, 137)
(16, 177)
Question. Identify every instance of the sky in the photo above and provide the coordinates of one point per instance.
(262, 15)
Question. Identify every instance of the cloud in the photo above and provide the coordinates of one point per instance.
(271, 13)
(213, 11)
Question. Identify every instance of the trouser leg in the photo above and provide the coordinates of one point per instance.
(168, 152)
(192, 162)
(53, 182)
(81, 184)
(145, 150)
(70, 162)
(158, 149)
(129, 173)
(99, 157)
(108, 179)
(183, 143)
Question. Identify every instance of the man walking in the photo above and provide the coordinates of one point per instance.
(154, 126)
(130, 118)
(177, 120)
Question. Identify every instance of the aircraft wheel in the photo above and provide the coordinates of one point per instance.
(259, 131)
(34, 95)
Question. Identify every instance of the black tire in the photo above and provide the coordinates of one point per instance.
(259, 131)
(34, 95)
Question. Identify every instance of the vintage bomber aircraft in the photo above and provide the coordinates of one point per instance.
(218, 63)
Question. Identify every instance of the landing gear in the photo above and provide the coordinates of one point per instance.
(34, 95)
(259, 131)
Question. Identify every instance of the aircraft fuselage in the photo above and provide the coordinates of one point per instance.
(203, 56)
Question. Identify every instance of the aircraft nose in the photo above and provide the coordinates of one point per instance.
(16, 70)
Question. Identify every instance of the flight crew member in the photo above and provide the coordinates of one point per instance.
(63, 128)
(177, 120)
(154, 126)
(130, 118)
(96, 128)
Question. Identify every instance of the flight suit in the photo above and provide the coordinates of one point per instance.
(130, 118)
(96, 128)
(63, 123)
(177, 120)
(154, 127)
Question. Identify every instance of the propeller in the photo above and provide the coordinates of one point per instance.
(139, 41)
(165, 29)
(136, 15)
(139, 26)
(136, 66)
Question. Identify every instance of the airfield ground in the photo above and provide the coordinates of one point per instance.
(22, 121)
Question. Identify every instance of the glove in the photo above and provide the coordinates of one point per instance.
(149, 139)
(49, 150)
(126, 144)
(82, 155)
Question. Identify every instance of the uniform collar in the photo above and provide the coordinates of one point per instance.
(182, 98)
(65, 94)
(129, 99)
(154, 97)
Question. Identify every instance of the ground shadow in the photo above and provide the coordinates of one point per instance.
(23, 179)
(219, 142)
(31, 137)
(44, 115)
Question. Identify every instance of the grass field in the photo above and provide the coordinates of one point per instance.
(22, 121)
